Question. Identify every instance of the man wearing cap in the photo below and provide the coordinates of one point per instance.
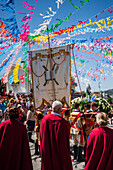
(54, 141)
(14, 146)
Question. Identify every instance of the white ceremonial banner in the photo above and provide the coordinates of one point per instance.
(41, 76)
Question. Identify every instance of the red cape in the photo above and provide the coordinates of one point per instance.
(14, 146)
(54, 143)
(99, 154)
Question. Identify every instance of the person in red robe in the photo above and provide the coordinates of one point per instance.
(54, 141)
(99, 153)
(14, 146)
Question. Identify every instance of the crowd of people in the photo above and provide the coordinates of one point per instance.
(54, 128)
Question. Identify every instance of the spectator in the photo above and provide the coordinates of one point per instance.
(30, 122)
(99, 153)
(1, 116)
(24, 102)
(14, 146)
(24, 110)
(20, 113)
(30, 102)
(54, 141)
(6, 111)
(3, 106)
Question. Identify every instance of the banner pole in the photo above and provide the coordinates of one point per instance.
(51, 73)
(76, 71)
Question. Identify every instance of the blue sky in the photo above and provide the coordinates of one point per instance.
(89, 10)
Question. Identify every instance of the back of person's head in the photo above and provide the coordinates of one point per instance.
(30, 107)
(102, 119)
(13, 113)
(9, 105)
(30, 99)
(76, 105)
(67, 113)
(56, 105)
(40, 116)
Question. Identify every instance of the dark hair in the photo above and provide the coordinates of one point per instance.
(40, 116)
(94, 104)
(31, 106)
(67, 113)
(87, 105)
(13, 113)
(76, 105)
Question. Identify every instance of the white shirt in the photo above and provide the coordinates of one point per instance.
(29, 103)
(30, 115)
(55, 114)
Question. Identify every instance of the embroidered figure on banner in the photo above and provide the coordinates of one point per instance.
(48, 76)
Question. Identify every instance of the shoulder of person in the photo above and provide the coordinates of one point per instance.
(29, 111)
(96, 131)
(5, 123)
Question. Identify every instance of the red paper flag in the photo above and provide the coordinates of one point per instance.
(109, 10)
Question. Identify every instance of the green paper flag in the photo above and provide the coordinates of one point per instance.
(82, 3)
(74, 5)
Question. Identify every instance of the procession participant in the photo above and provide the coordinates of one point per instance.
(54, 141)
(77, 133)
(14, 146)
(95, 108)
(49, 110)
(38, 119)
(96, 111)
(30, 121)
(89, 124)
(99, 153)
(66, 115)
(87, 108)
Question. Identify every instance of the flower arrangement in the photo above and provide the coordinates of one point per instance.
(102, 104)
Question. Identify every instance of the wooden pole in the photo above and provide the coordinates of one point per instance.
(28, 68)
(51, 73)
(76, 72)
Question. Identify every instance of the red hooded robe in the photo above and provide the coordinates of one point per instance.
(99, 153)
(54, 143)
(14, 146)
